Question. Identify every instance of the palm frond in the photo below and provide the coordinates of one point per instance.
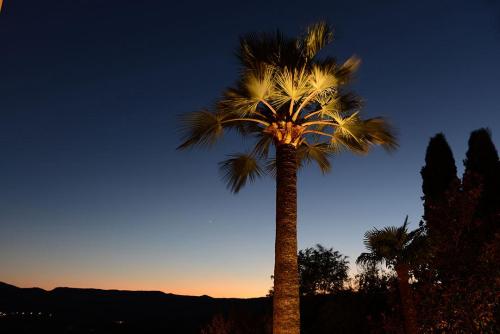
(322, 78)
(238, 170)
(318, 153)
(368, 259)
(359, 136)
(417, 248)
(291, 86)
(259, 83)
(269, 48)
(318, 35)
(263, 145)
(330, 103)
(248, 95)
(380, 132)
(383, 243)
(350, 102)
(341, 143)
(271, 167)
(395, 244)
(345, 73)
(201, 128)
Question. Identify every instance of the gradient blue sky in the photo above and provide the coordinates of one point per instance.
(93, 192)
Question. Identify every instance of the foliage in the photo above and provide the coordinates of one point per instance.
(440, 169)
(459, 291)
(393, 245)
(238, 322)
(218, 325)
(286, 94)
(398, 249)
(322, 270)
(482, 168)
(458, 288)
(372, 280)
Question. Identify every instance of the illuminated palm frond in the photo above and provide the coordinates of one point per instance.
(378, 131)
(236, 99)
(201, 128)
(254, 89)
(291, 86)
(342, 143)
(321, 79)
(259, 83)
(238, 170)
(318, 153)
(204, 128)
(317, 37)
(359, 136)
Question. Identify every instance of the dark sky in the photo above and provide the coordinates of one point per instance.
(93, 192)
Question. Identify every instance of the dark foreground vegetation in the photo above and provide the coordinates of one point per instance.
(67, 310)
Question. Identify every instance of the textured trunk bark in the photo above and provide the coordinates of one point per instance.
(286, 311)
(410, 316)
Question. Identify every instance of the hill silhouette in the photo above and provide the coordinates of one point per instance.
(73, 310)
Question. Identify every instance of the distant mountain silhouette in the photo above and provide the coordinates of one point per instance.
(72, 310)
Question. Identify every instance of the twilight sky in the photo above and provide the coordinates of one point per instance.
(93, 192)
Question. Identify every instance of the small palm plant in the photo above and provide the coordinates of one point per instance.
(398, 249)
(296, 107)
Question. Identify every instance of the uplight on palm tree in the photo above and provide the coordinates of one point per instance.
(398, 249)
(296, 107)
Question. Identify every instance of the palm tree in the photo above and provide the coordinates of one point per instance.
(399, 250)
(288, 99)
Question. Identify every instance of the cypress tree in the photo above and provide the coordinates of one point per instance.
(461, 220)
(482, 167)
(440, 171)
(441, 188)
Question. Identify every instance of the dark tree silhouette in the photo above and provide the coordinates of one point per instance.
(482, 166)
(322, 270)
(440, 171)
(439, 178)
(289, 99)
(458, 287)
(482, 172)
(372, 280)
(399, 249)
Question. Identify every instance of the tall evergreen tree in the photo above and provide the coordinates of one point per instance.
(482, 167)
(440, 170)
(458, 288)
(439, 179)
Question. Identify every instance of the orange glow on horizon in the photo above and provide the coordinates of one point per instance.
(214, 288)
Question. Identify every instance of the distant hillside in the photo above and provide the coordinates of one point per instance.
(70, 310)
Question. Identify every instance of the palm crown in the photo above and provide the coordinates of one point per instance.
(392, 245)
(287, 95)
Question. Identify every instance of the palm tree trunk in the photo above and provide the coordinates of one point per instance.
(410, 316)
(286, 311)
